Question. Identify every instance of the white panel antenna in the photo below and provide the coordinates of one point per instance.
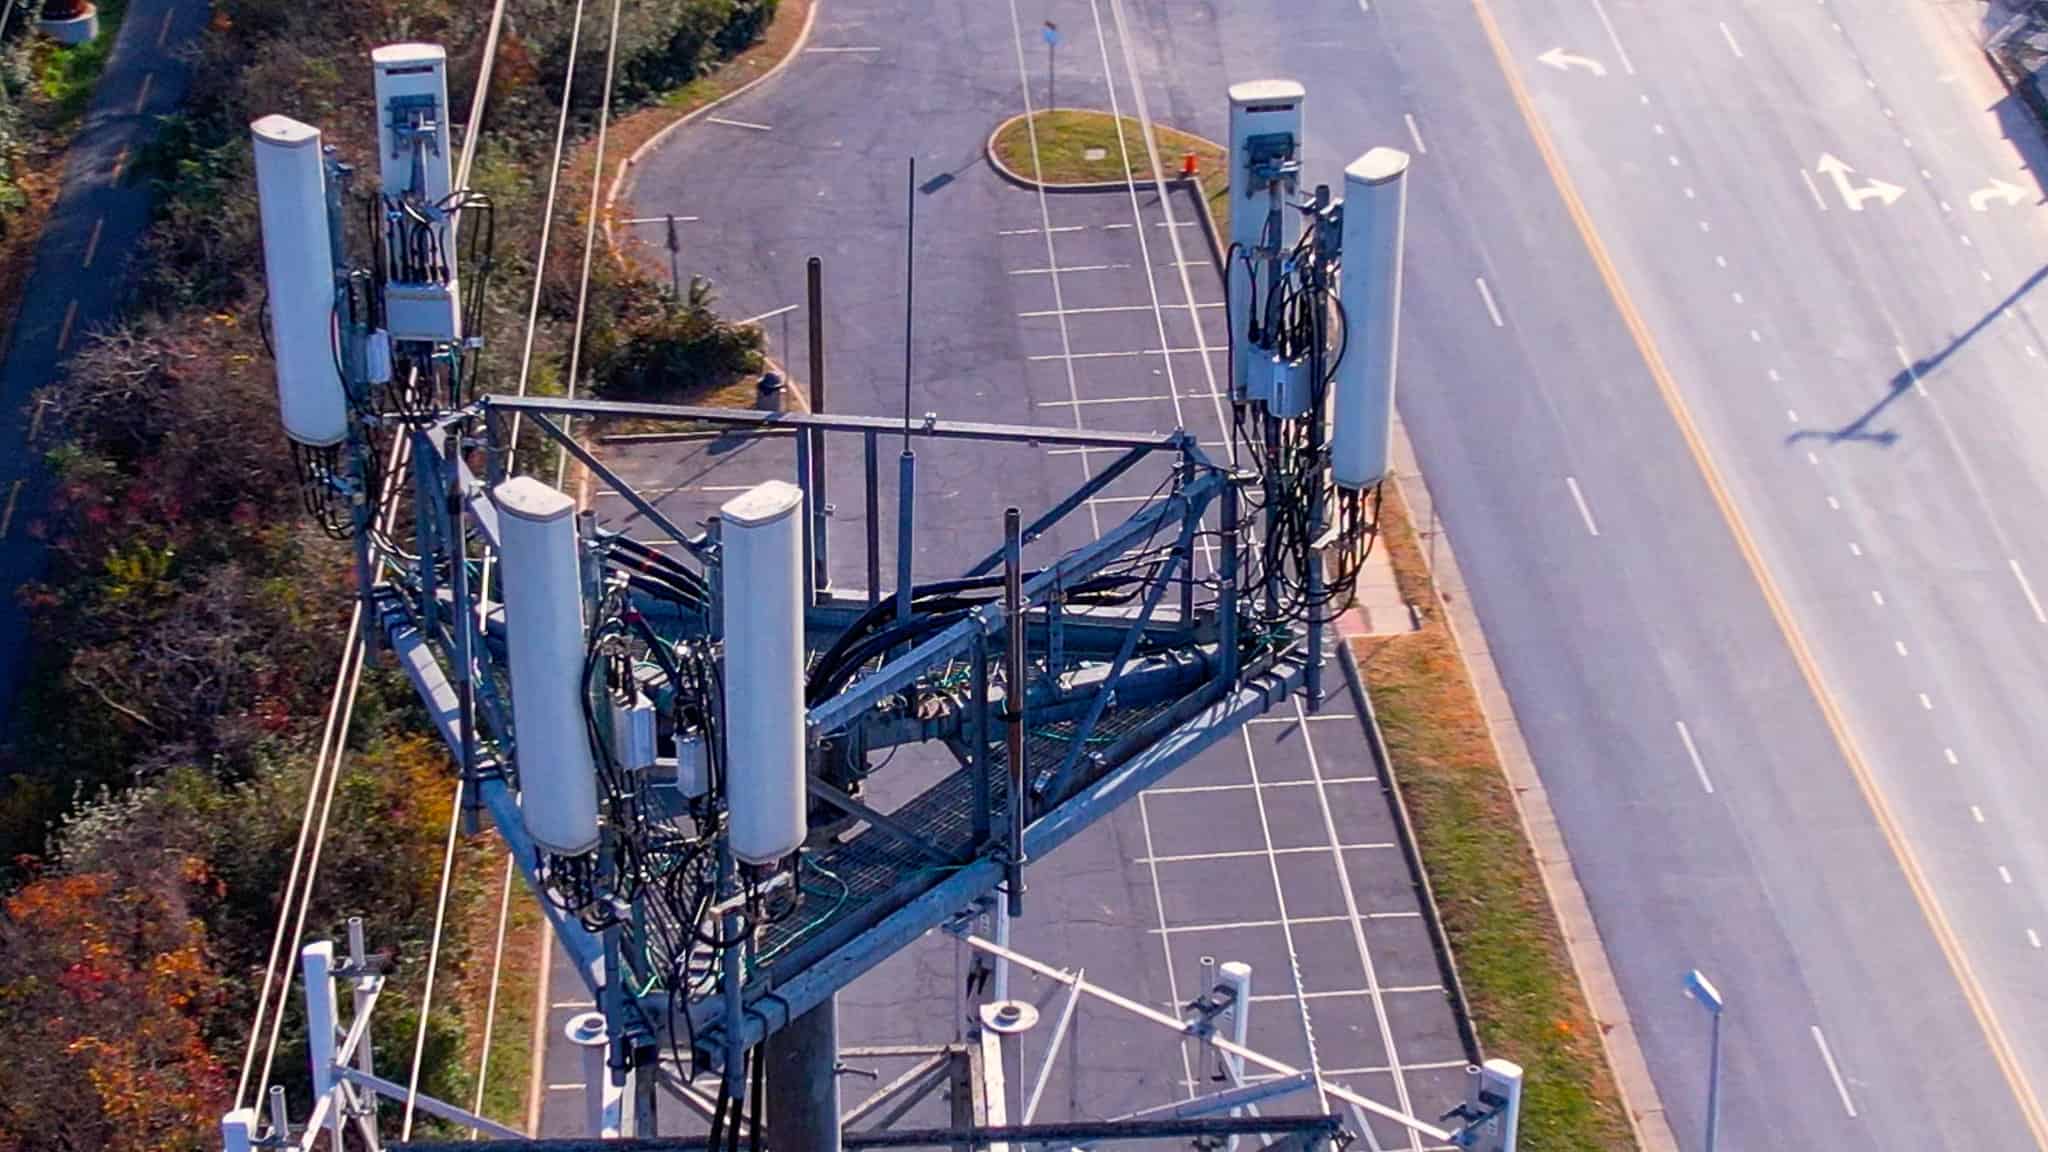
(298, 272)
(764, 671)
(544, 638)
(1375, 209)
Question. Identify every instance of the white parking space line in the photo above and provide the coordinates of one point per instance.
(1347, 994)
(1041, 231)
(1492, 309)
(1100, 401)
(747, 124)
(1244, 853)
(2028, 590)
(1108, 308)
(1579, 498)
(1056, 271)
(1365, 957)
(1692, 751)
(1124, 355)
(1281, 922)
(1730, 38)
(1834, 1072)
(1186, 789)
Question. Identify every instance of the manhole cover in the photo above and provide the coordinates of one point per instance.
(1095, 154)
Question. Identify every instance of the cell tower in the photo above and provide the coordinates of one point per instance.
(676, 740)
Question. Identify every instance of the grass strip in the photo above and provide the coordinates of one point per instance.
(1079, 146)
(1525, 997)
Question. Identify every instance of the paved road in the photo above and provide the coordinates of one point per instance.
(81, 275)
(1779, 310)
(1278, 847)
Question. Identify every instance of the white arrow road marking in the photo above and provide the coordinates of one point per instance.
(1997, 190)
(1564, 61)
(1853, 196)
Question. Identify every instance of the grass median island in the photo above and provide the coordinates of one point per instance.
(1081, 146)
(1526, 1001)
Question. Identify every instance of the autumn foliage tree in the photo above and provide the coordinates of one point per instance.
(101, 1017)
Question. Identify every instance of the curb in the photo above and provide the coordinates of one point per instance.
(1390, 784)
(626, 166)
(1639, 1098)
(988, 149)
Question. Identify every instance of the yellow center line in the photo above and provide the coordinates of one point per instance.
(64, 330)
(7, 517)
(92, 243)
(1802, 655)
(142, 94)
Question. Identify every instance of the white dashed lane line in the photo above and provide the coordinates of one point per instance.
(1486, 294)
(1579, 498)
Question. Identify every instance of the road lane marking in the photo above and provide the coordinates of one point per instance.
(2033, 938)
(1067, 268)
(1620, 53)
(1819, 201)
(1835, 1073)
(120, 162)
(826, 50)
(1415, 133)
(1486, 294)
(64, 329)
(35, 419)
(7, 516)
(1042, 312)
(1685, 734)
(747, 124)
(2011, 194)
(1579, 498)
(2028, 589)
(163, 31)
(1730, 38)
(1565, 61)
(1835, 169)
(1834, 504)
(92, 243)
(1042, 231)
(1855, 549)
(1877, 597)
(1950, 755)
(142, 93)
(1926, 705)
(1900, 645)
(2005, 873)
(1838, 727)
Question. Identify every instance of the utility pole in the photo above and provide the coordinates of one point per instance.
(675, 247)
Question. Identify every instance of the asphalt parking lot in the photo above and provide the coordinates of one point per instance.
(1276, 847)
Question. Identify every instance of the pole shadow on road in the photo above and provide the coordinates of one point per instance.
(1858, 431)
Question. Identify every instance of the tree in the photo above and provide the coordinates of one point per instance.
(104, 991)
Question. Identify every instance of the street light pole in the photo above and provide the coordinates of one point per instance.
(1701, 989)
